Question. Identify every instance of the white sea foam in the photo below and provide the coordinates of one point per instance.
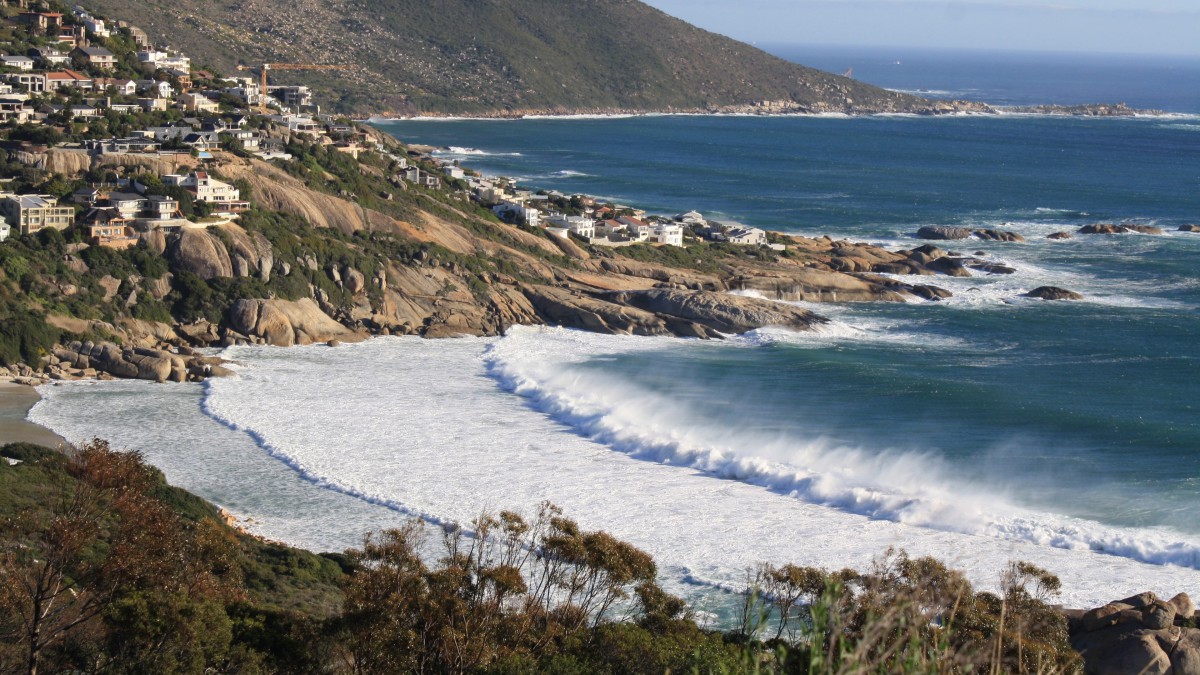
(455, 151)
(425, 429)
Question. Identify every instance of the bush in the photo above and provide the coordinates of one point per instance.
(26, 337)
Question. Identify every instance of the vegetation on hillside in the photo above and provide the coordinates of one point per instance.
(106, 568)
(464, 56)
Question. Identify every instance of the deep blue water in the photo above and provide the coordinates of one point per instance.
(1087, 409)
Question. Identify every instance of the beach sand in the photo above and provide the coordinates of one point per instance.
(15, 402)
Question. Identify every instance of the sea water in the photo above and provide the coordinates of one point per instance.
(985, 428)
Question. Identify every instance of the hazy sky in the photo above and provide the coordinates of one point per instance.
(1130, 26)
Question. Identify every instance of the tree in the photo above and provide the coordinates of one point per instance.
(112, 565)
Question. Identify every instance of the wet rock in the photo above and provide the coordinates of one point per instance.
(1103, 228)
(1189, 228)
(998, 235)
(1053, 293)
(1059, 236)
(943, 233)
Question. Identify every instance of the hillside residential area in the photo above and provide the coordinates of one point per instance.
(72, 80)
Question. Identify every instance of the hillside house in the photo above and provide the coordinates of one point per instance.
(670, 234)
(155, 88)
(15, 107)
(196, 102)
(98, 57)
(577, 225)
(41, 22)
(34, 83)
(113, 235)
(115, 85)
(249, 139)
(162, 60)
(293, 97)
(746, 236)
(220, 194)
(20, 63)
(97, 27)
(5, 231)
(50, 55)
(68, 78)
(31, 213)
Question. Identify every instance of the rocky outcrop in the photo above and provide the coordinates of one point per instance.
(284, 323)
(816, 285)
(1109, 228)
(574, 309)
(720, 312)
(77, 360)
(1140, 634)
(943, 233)
(1059, 236)
(1189, 228)
(1053, 293)
(997, 235)
(955, 233)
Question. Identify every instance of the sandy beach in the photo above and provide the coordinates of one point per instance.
(15, 402)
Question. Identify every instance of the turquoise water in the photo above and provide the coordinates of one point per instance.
(1085, 409)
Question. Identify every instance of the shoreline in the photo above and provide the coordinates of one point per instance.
(1092, 111)
(15, 402)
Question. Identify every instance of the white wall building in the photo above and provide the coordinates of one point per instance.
(207, 188)
(670, 234)
(5, 231)
(578, 225)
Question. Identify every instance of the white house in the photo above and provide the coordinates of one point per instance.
(162, 59)
(5, 231)
(519, 213)
(578, 225)
(670, 234)
(748, 236)
(205, 187)
(155, 88)
(22, 63)
(97, 27)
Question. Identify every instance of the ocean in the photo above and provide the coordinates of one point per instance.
(982, 429)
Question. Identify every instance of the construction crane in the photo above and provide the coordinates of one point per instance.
(262, 101)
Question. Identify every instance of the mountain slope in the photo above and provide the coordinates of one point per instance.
(495, 56)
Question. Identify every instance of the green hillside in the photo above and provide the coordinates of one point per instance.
(494, 56)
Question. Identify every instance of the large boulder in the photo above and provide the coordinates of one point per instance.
(354, 280)
(1053, 293)
(285, 323)
(1059, 236)
(939, 233)
(200, 253)
(1189, 228)
(1124, 649)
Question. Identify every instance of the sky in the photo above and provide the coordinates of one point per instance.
(1116, 26)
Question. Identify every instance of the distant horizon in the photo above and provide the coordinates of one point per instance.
(1148, 27)
(769, 45)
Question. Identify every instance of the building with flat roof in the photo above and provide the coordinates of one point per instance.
(31, 213)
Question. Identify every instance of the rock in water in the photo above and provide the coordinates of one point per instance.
(1103, 228)
(1189, 228)
(1053, 293)
(998, 235)
(943, 233)
(1059, 235)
